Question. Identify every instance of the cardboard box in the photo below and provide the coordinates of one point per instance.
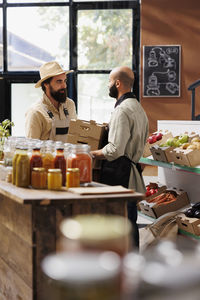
(191, 225)
(89, 129)
(166, 136)
(76, 139)
(186, 157)
(161, 188)
(155, 211)
(162, 153)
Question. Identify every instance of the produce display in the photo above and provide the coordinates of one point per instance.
(154, 137)
(164, 198)
(194, 211)
(182, 141)
(151, 189)
(182, 149)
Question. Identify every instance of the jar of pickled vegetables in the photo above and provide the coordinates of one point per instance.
(22, 173)
(73, 177)
(16, 154)
(39, 178)
(79, 157)
(54, 179)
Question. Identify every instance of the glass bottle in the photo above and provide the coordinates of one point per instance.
(36, 158)
(48, 157)
(22, 176)
(80, 157)
(54, 179)
(60, 161)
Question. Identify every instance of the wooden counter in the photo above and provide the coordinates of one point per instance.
(29, 230)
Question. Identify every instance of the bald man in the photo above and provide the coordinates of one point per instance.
(128, 131)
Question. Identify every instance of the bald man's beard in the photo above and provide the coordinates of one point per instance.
(59, 96)
(113, 91)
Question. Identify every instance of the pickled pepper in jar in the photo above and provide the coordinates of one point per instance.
(80, 157)
(60, 161)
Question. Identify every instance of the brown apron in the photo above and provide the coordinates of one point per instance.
(59, 128)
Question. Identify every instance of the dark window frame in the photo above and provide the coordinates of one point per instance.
(9, 77)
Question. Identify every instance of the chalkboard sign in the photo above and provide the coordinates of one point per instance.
(161, 73)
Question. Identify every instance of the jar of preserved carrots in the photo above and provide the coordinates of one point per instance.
(60, 161)
(54, 179)
(39, 178)
(73, 177)
(79, 157)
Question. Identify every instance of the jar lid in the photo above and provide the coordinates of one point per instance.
(73, 170)
(84, 147)
(39, 169)
(54, 170)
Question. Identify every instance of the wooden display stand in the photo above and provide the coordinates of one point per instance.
(29, 230)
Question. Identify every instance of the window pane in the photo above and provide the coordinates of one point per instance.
(1, 41)
(35, 1)
(104, 39)
(98, 0)
(93, 100)
(23, 95)
(38, 36)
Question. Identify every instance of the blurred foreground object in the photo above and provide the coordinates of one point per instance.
(82, 276)
(97, 232)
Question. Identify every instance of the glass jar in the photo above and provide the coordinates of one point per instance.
(54, 179)
(73, 177)
(79, 157)
(60, 161)
(96, 232)
(83, 276)
(39, 178)
(22, 173)
(9, 171)
(16, 154)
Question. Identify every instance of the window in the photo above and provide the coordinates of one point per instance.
(90, 37)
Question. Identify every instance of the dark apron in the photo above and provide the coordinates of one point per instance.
(117, 172)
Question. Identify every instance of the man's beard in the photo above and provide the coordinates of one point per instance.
(113, 91)
(58, 96)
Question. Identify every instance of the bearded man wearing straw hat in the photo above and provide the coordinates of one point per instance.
(49, 118)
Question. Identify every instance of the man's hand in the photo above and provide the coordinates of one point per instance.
(97, 154)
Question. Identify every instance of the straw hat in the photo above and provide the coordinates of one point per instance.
(48, 70)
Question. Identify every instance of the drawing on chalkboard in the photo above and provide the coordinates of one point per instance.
(161, 71)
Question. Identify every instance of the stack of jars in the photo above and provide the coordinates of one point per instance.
(48, 164)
